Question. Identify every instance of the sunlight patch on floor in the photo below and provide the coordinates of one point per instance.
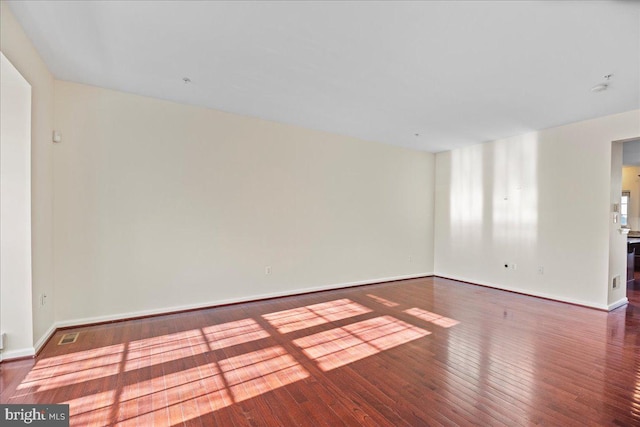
(154, 351)
(258, 372)
(383, 301)
(233, 333)
(202, 386)
(42, 372)
(434, 318)
(48, 379)
(340, 346)
(91, 409)
(79, 356)
(314, 315)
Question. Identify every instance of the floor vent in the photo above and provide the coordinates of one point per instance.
(68, 338)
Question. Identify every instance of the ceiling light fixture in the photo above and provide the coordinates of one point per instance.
(602, 86)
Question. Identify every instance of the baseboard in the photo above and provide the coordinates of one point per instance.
(529, 293)
(619, 303)
(21, 353)
(44, 338)
(29, 352)
(215, 303)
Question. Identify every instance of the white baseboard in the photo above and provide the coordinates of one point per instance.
(619, 303)
(43, 339)
(533, 294)
(215, 303)
(16, 354)
(8, 355)
(31, 351)
(28, 352)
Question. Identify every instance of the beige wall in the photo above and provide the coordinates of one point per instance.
(15, 45)
(535, 200)
(161, 206)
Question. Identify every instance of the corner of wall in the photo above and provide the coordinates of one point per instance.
(15, 44)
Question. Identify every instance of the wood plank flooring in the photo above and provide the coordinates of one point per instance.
(410, 353)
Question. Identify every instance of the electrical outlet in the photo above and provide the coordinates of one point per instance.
(616, 282)
(540, 269)
(43, 299)
(514, 266)
(267, 270)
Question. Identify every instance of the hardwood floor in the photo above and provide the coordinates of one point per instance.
(411, 353)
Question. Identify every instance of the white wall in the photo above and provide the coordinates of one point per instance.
(160, 206)
(15, 211)
(535, 200)
(15, 45)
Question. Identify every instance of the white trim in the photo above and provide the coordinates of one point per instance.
(529, 293)
(619, 303)
(43, 339)
(215, 303)
(15, 354)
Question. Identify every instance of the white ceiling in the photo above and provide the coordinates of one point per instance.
(457, 73)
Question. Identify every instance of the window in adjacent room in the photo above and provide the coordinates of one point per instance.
(624, 208)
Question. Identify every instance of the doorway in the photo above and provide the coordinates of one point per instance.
(630, 214)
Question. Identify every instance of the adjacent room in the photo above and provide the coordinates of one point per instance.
(271, 213)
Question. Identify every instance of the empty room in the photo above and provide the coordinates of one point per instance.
(307, 213)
